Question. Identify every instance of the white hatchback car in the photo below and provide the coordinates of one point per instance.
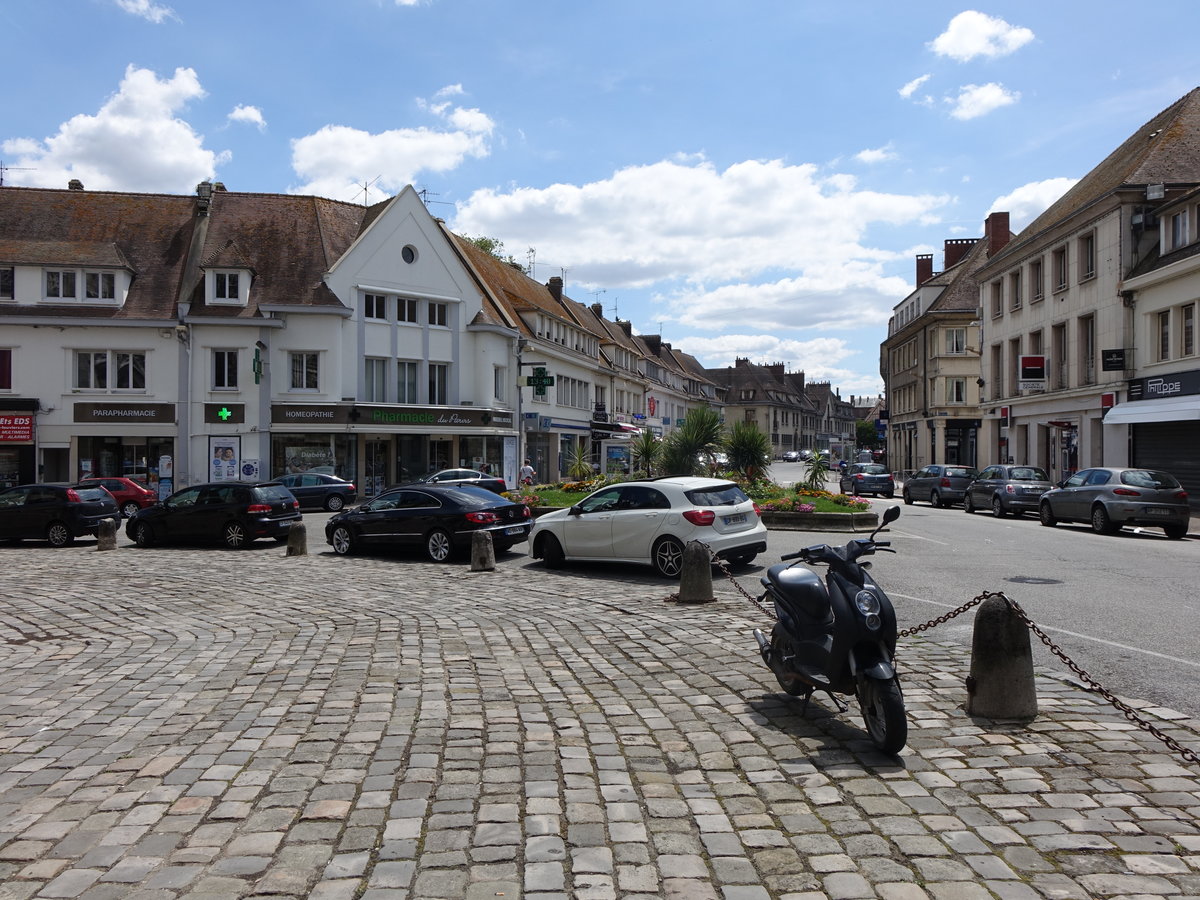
(651, 522)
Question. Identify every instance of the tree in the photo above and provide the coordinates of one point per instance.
(579, 464)
(867, 434)
(699, 436)
(494, 247)
(818, 470)
(748, 449)
(645, 449)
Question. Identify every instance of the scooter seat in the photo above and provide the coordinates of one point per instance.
(802, 589)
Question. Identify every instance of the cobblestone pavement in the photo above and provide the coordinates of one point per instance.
(210, 724)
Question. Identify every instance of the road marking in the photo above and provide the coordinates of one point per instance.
(1075, 634)
(919, 537)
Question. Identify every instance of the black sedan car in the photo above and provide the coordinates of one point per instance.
(316, 490)
(234, 513)
(58, 513)
(466, 476)
(438, 519)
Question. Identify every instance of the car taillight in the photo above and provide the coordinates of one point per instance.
(945, 482)
(860, 476)
(255, 508)
(757, 511)
(700, 516)
(72, 496)
(1181, 496)
(526, 513)
(483, 518)
(1127, 492)
(1010, 489)
(351, 487)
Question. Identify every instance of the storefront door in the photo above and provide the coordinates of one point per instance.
(375, 477)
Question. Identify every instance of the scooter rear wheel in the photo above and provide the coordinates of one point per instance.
(882, 707)
(792, 684)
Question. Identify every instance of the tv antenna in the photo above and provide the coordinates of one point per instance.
(596, 294)
(366, 187)
(425, 194)
(4, 168)
(531, 255)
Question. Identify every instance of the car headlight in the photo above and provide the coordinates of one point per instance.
(867, 603)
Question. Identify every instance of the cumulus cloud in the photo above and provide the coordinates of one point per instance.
(136, 142)
(251, 115)
(148, 10)
(1030, 200)
(878, 155)
(337, 158)
(971, 34)
(975, 100)
(909, 89)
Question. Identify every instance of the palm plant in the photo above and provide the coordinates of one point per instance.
(748, 449)
(818, 469)
(579, 463)
(645, 450)
(699, 436)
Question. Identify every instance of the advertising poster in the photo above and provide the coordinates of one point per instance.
(226, 457)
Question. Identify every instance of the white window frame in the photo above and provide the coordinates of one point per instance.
(408, 374)
(439, 314)
(1187, 329)
(310, 365)
(225, 370)
(375, 307)
(956, 341)
(106, 286)
(1087, 256)
(500, 383)
(110, 371)
(375, 379)
(1037, 281)
(60, 278)
(406, 310)
(1179, 229)
(439, 382)
(218, 284)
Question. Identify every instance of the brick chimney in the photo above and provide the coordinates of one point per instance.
(997, 231)
(598, 310)
(924, 268)
(74, 185)
(555, 287)
(955, 249)
(776, 369)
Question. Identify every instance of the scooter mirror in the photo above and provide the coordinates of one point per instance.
(891, 514)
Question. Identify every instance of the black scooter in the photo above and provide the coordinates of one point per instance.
(838, 636)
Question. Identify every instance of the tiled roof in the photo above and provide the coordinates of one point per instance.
(1166, 150)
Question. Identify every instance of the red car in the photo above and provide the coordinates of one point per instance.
(130, 495)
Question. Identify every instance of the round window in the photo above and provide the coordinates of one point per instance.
(409, 253)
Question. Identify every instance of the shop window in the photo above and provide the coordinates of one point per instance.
(6, 369)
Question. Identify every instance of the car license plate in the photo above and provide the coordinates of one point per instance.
(734, 520)
(1157, 511)
(519, 529)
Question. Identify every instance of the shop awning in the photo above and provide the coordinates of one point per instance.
(1166, 409)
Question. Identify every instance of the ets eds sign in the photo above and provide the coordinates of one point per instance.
(14, 429)
(1032, 373)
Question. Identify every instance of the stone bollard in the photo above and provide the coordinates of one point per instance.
(297, 541)
(106, 535)
(1000, 685)
(483, 552)
(695, 578)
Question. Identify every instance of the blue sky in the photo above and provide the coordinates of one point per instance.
(749, 180)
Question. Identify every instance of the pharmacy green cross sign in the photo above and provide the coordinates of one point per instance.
(539, 381)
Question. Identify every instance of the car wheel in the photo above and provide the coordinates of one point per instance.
(1101, 523)
(907, 497)
(59, 535)
(997, 508)
(334, 502)
(343, 541)
(668, 557)
(891, 495)
(551, 551)
(129, 509)
(142, 535)
(968, 506)
(1175, 532)
(935, 499)
(1046, 515)
(841, 487)
(234, 536)
(438, 546)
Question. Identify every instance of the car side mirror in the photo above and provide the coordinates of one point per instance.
(575, 510)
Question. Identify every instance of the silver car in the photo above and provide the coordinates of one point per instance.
(940, 484)
(1007, 489)
(1111, 498)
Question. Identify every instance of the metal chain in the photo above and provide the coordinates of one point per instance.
(1091, 683)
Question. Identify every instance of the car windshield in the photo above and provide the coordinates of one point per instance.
(956, 471)
(717, 495)
(873, 469)
(91, 492)
(1028, 473)
(276, 492)
(473, 495)
(1145, 478)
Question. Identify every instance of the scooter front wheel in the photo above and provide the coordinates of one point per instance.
(882, 707)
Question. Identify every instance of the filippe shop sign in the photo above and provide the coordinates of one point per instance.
(1157, 386)
(429, 417)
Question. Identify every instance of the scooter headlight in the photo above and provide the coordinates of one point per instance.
(867, 603)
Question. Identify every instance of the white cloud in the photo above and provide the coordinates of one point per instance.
(337, 158)
(134, 143)
(1029, 201)
(148, 10)
(701, 237)
(878, 155)
(975, 100)
(971, 34)
(250, 114)
(909, 89)
(450, 90)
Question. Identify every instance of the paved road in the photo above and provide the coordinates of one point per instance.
(202, 723)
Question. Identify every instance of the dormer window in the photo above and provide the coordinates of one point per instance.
(75, 285)
(228, 288)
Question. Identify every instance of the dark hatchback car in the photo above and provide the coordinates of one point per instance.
(940, 484)
(1007, 489)
(58, 513)
(130, 494)
(234, 513)
(1110, 498)
(315, 490)
(867, 478)
(439, 519)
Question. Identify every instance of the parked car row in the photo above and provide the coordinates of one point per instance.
(1108, 498)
